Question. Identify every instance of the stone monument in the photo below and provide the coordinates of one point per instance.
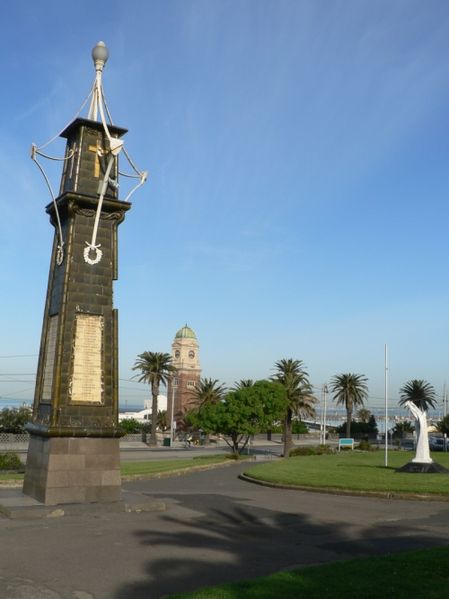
(73, 454)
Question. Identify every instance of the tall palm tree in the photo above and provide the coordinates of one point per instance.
(419, 392)
(293, 376)
(156, 368)
(351, 391)
(207, 391)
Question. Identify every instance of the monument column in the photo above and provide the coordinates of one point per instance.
(74, 453)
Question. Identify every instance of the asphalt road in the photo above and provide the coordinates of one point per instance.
(216, 528)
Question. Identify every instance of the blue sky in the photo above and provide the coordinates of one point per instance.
(297, 204)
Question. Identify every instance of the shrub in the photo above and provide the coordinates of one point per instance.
(366, 446)
(130, 426)
(13, 420)
(10, 461)
(318, 450)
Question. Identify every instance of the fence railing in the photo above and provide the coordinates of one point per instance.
(11, 441)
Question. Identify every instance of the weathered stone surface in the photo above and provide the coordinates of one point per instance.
(73, 470)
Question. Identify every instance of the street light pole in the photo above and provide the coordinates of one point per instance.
(386, 405)
(172, 411)
(325, 413)
(444, 414)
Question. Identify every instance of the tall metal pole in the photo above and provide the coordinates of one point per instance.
(445, 413)
(172, 410)
(325, 414)
(444, 400)
(322, 418)
(386, 405)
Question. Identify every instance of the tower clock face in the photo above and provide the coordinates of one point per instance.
(191, 354)
(177, 353)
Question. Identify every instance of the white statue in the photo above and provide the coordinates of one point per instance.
(422, 446)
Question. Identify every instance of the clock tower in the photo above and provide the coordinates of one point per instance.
(186, 360)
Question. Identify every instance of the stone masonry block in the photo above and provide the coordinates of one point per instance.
(58, 478)
(85, 478)
(66, 462)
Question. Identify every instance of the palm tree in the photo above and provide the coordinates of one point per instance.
(156, 368)
(292, 375)
(419, 392)
(242, 384)
(363, 415)
(402, 428)
(207, 391)
(162, 422)
(351, 391)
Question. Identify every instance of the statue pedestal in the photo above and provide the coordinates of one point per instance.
(73, 470)
(423, 467)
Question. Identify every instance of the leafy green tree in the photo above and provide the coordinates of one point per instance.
(241, 413)
(13, 420)
(156, 368)
(419, 392)
(360, 428)
(351, 391)
(130, 426)
(299, 428)
(295, 380)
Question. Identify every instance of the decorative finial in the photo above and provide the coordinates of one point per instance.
(100, 56)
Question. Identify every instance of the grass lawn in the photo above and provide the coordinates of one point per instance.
(148, 468)
(154, 467)
(10, 476)
(421, 574)
(354, 471)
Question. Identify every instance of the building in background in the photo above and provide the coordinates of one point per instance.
(186, 360)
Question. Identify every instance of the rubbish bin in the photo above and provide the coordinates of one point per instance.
(166, 442)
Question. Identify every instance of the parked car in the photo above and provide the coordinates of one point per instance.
(437, 443)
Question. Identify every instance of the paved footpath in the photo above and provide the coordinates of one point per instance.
(216, 528)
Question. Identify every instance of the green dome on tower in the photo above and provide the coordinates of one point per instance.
(185, 333)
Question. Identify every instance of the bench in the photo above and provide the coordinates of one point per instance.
(343, 443)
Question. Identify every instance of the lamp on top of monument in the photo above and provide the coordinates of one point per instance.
(74, 452)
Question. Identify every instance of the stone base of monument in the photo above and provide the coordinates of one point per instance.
(17, 506)
(424, 468)
(64, 470)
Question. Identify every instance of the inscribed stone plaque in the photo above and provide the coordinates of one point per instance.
(49, 363)
(87, 375)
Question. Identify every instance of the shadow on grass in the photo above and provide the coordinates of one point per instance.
(217, 538)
